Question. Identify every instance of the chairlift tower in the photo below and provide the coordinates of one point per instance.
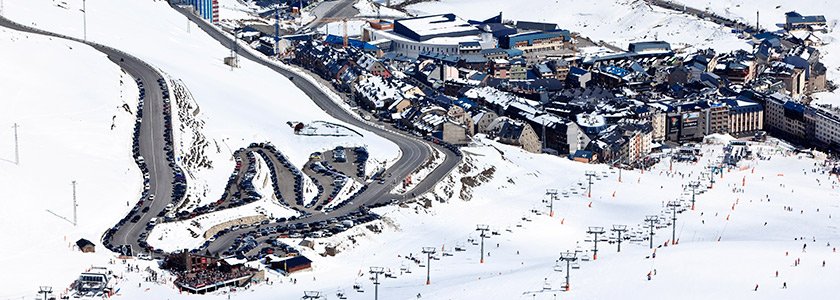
(596, 230)
(674, 205)
(619, 229)
(376, 271)
(46, 290)
(693, 185)
(590, 174)
(552, 195)
(308, 295)
(568, 257)
(652, 220)
(429, 251)
(483, 228)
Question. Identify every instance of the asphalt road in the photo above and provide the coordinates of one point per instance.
(151, 133)
(414, 151)
(341, 9)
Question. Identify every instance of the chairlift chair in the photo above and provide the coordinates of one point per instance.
(575, 265)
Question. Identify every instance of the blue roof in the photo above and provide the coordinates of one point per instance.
(514, 52)
(582, 154)
(334, 39)
(794, 106)
(615, 71)
(438, 56)
(795, 18)
(511, 40)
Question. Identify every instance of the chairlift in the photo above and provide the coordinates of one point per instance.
(584, 257)
(340, 294)
(558, 267)
(546, 285)
(575, 265)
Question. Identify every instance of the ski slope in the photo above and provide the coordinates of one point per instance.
(76, 111)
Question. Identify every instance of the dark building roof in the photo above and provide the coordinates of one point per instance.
(649, 46)
(83, 242)
(511, 40)
(793, 17)
(497, 29)
(527, 25)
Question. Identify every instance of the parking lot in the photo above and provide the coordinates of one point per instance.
(331, 170)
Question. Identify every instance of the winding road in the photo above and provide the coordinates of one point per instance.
(414, 151)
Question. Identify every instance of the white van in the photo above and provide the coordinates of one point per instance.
(153, 221)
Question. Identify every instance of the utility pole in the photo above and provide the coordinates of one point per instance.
(483, 228)
(619, 229)
(693, 185)
(74, 203)
(17, 154)
(552, 195)
(568, 257)
(429, 251)
(674, 205)
(376, 271)
(596, 231)
(590, 174)
(84, 18)
(651, 219)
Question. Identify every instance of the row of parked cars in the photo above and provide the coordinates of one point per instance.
(143, 205)
(246, 242)
(446, 145)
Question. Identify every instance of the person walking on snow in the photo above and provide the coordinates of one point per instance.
(756, 288)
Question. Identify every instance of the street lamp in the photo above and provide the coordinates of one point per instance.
(596, 231)
(568, 257)
(376, 271)
(619, 229)
(429, 251)
(483, 228)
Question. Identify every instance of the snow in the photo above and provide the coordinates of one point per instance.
(498, 185)
(615, 22)
(65, 97)
(366, 8)
(234, 111)
(354, 28)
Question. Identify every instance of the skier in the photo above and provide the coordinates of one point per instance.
(756, 288)
(777, 273)
(784, 285)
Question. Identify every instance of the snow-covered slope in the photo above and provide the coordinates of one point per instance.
(615, 22)
(239, 106)
(75, 109)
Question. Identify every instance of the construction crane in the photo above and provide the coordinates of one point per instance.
(344, 25)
